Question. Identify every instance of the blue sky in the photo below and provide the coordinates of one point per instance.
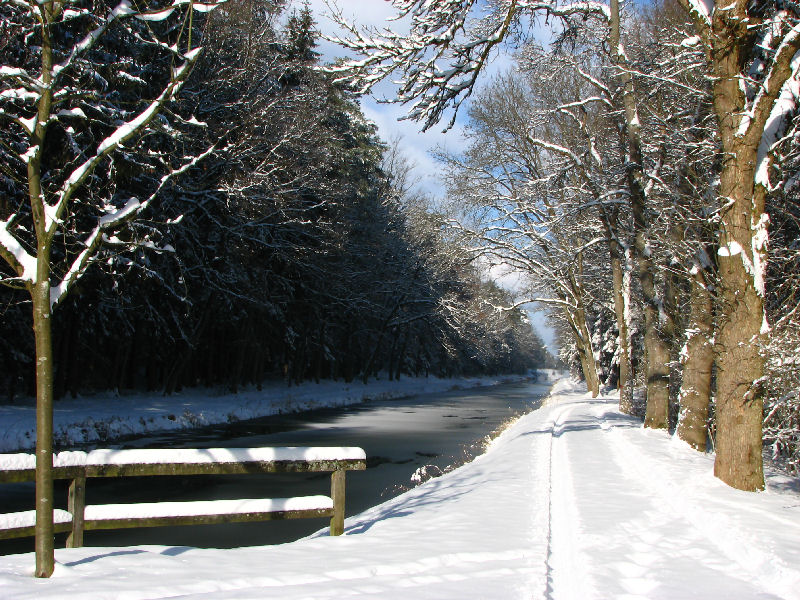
(416, 144)
(388, 117)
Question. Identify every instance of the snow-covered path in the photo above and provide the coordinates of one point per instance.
(573, 501)
(637, 515)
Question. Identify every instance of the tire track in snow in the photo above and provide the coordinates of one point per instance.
(751, 556)
(546, 477)
(566, 577)
(611, 536)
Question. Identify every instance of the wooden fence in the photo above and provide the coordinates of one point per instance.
(79, 467)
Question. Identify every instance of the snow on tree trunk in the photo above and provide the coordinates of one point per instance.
(697, 358)
(63, 208)
(583, 341)
(742, 241)
(619, 292)
(740, 364)
(656, 347)
(750, 62)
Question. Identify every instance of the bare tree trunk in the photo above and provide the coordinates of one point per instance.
(742, 262)
(620, 302)
(583, 341)
(657, 366)
(576, 318)
(619, 293)
(656, 349)
(589, 366)
(42, 327)
(669, 328)
(697, 358)
(740, 365)
(45, 558)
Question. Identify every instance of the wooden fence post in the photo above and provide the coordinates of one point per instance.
(337, 495)
(76, 505)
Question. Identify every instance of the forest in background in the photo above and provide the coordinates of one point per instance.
(640, 170)
(630, 271)
(296, 249)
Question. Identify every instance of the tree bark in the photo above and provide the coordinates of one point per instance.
(583, 341)
(670, 324)
(697, 358)
(40, 295)
(621, 299)
(576, 318)
(45, 558)
(740, 366)
(656, 349)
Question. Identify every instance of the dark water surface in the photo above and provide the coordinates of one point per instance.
(429, 432)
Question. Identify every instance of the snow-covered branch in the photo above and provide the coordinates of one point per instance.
(23, 263)
(111, 143)
(441, 58)
(111, 221)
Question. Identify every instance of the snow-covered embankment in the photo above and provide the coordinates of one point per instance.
(105, 418)
(574, 500)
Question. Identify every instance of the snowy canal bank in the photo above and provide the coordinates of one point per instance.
(404, 439)
(572, 501)
(106, 417)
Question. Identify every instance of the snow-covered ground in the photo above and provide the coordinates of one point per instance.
(574, 500)
(105, 418)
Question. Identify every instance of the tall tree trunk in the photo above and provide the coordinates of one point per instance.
(40, 293)
(42, 327)
(589, 366)
(656, 349)
(621, 301)
(583, 341)
(669, 327)
(621, 311)
(742, 263)
(398, 363)
(369, 367)
(697, 358)
(576, 318)
(740, 365)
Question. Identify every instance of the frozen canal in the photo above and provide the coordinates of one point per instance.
(400, 437)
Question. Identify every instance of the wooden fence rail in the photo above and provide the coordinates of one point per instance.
(78, 467)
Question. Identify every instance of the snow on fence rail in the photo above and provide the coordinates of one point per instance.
(79, 466)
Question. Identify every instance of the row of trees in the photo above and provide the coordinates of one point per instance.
(211, 217)
(296, 248)
(633, 170)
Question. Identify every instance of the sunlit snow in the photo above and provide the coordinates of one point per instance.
(107, 416)
(574, 500)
